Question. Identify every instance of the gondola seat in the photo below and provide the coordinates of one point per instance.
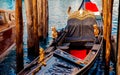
(64, 46)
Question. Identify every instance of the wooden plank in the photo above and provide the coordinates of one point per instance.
(96, 46)
(6, 52)
(19, 35)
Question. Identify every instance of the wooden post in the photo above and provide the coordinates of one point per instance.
(35, 27)
(45, 19)
(118, 44)
(107, 16)
(19, 35)
(104, 12)
(108, 37)
(40, 19)
(29, 13)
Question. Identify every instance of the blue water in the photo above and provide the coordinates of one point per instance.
(58, 18)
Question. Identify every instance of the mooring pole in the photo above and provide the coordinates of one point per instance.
(40, 19)
(104, 13)
(29, 17)
(107, 21)
(35, 27)
(44, 16)
(108, 37)
(45, 19)
(19, 35)
(118, 44)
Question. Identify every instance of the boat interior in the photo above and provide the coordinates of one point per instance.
(7, 31)
(76, 42)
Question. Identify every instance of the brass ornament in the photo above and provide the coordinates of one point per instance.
(54, 32)
(82, 16)
(96, 30)
(41, 56)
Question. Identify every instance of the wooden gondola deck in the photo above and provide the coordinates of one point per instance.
(6, 26)
(7, 38)
(7, 33)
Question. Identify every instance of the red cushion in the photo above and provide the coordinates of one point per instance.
(79, 53)
(91, 6)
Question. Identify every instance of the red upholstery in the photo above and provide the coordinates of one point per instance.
(79, 53)
(91, 6)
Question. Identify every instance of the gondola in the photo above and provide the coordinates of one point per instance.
(74, 50)
(7, 32)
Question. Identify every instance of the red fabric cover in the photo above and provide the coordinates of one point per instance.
(91, 6)
(79, 53)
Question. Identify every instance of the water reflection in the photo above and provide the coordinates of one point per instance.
(7, 4)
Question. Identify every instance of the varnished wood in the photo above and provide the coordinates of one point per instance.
(40, 18)
(35, 27)
(42, 7)
(109, 28)
(105, 17)
(107, 21)
(7, 39)
(45, 19)
(19, 35)
(7, 32)
(29, 17)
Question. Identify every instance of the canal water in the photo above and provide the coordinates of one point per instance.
(58, 18)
